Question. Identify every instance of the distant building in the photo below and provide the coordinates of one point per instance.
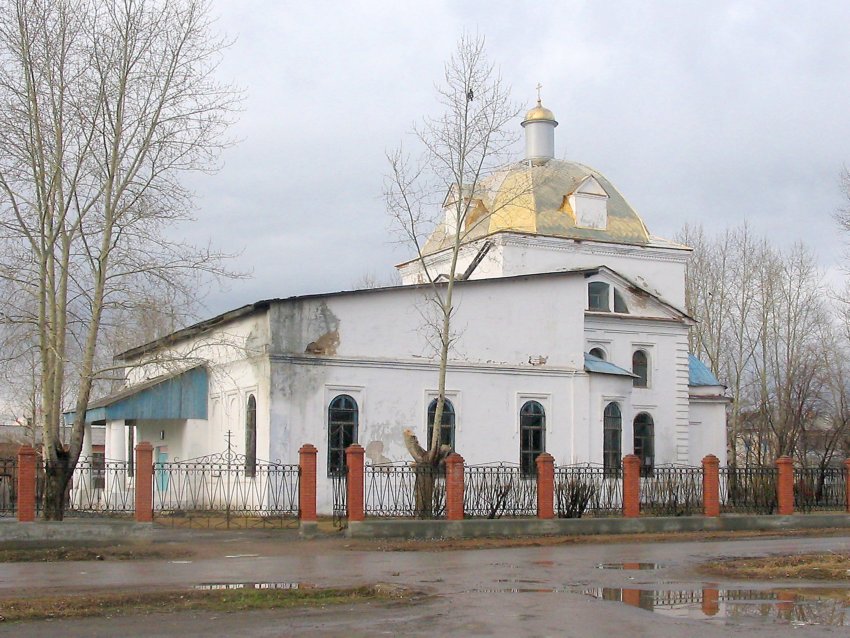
(573, 339)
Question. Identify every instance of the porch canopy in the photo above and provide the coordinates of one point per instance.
(178, 396)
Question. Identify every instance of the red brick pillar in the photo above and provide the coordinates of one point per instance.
(454, 487)
(307, 483)
(545, 485)
(785, 485)
(631, 486)
(847, 483)
(711, 486)
(355, 485)
(144, 482)
(27, 459)
(710, 601)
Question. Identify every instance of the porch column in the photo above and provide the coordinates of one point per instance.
(116, 443)
(86, 451)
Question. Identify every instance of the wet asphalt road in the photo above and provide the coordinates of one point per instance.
(535, 591)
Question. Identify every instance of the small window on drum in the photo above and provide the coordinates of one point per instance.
(599, 353)
(342, 431)
(620, 303)
(597, 296)
(532, 429)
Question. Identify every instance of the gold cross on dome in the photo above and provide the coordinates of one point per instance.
(538, 87)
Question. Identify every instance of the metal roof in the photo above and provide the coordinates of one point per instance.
(600, 366)
(182, 395)
(699, 374)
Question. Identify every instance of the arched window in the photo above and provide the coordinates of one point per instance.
(447, 429)
(342, 431)
(597, 296)
(532, 427)
(640, 368)
(612, 447)
(645, 442)
(620, 303)
(599, 353)
(251, 436)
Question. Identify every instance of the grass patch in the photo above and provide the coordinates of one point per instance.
(227, 600)
(85, 552)
(817, 566)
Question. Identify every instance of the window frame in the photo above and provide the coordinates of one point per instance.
(644, 441)
(251, 435)
(612, 456)
(444, 427)
(336, 448)
(591, 295)
(528, 452)
(602, 354)
(640, 380)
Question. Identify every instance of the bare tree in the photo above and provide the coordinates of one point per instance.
(104, 104)
(459, 150)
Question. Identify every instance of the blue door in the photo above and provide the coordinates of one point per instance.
(161, 471)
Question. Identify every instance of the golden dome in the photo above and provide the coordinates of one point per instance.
(539, 112)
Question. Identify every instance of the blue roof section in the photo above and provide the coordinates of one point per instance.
(600, 366)
(179, 396)
(699, 374)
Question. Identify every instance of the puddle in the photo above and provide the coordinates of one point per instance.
(797, 607)
(630, 566)
(520, 590)
(219, 586)
(519, 580)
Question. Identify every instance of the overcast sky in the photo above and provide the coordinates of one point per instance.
(698, 112)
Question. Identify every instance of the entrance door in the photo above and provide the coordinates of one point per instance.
(161, 459)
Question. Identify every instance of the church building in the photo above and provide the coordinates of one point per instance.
(572, 339)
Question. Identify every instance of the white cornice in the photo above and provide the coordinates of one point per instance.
(656, 253)
(410, 364)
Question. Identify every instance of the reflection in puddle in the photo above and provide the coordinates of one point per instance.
(629, 566)
(220, 586)
(735, 606)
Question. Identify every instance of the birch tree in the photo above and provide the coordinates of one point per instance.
(459, 149)
(105, 103)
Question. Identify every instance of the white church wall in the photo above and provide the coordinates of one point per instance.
(704, 434)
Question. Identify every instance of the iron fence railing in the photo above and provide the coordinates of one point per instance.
(748, 489)
(99, 486)
(820, 488)
(671, 490)
(8, 486)
(399, 490)
(497, 490)
(226, 485)
(339, 488)
(587, 490)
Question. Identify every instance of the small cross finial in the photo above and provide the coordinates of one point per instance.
(538, 87)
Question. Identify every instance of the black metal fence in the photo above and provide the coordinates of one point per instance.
(404, 490)
(497, 490)
(339, 488)
(101, 487)
(672, 490)
(587, 490)
(750, 490)
(820, 488)
(223, 490)
(8, 486)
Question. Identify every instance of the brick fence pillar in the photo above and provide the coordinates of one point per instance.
(27, 460)
(355, 485)
(631, 486)
(144, 482)
(711, 486)
(307, 483)
(545, 485)
(847, 484)
(710, 601)
(785, 485)
(454, 487)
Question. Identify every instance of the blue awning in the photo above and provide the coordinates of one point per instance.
(178, 396)
(600, 366)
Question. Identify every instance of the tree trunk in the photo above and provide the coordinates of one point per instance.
(57, 479)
